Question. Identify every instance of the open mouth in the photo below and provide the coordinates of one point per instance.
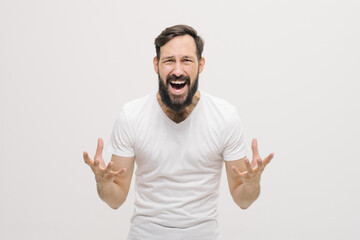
(178, 84)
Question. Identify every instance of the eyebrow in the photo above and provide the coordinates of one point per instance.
(172, 57)
(168, 57)
(190, 57)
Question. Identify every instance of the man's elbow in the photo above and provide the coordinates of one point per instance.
(115, 207)
(115, 204)
(244, 203)
(244, 206)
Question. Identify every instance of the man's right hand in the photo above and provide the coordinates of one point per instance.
(103, 174)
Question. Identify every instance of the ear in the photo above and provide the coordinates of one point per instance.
(201, 64)
(156, 65)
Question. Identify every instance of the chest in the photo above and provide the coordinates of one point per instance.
(194, 146)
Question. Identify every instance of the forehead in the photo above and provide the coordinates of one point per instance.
(179, 46)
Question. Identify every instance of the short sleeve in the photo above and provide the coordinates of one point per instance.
(234, 146)
(121, 141)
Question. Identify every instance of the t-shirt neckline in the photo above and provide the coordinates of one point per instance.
(171, 122)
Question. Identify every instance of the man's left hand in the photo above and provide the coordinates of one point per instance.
(254, 169)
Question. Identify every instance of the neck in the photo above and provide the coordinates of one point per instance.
(182, 115)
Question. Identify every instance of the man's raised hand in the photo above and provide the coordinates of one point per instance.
(103, 174)
(254, 169)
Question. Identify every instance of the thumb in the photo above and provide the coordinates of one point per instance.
(99, 149)
(119, 172)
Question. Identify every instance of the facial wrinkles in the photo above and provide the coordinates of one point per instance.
(186, 69)
(166, 99)
(177, 74)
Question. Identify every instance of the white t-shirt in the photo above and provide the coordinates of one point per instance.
(179, 165)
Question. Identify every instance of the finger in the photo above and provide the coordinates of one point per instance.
(113, 174)
(254, 148)
(235, 170)
(268, 159)
(242, 176)
(96, 163)
(87, 159)
(117, 173)
(109, 166)
(99, 149)
(248, 166)
(260, 164)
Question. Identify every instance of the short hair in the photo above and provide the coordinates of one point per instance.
(178, 30)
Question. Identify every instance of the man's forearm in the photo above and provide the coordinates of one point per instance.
(112, 194)
(245, 194)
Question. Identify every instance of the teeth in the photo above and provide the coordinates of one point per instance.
(178, 82)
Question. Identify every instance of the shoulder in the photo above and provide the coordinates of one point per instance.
(139, 106)
(218, 107)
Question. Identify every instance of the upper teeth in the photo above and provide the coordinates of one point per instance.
(178, 82)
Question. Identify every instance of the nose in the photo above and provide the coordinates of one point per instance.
(178, 71)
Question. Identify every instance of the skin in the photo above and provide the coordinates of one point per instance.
(113, 181)
(244, 177)
(178, 57)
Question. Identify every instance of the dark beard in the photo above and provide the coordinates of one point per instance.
(165, 97)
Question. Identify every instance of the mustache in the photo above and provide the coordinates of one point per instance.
(181, 77)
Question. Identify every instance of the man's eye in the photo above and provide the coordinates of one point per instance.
(169, 60)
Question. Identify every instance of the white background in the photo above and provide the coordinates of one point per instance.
(290, 67)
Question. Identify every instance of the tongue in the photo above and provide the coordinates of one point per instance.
(178, 86)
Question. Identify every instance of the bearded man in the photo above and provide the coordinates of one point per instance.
(179, 138)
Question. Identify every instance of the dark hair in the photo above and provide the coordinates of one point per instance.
(178, 30)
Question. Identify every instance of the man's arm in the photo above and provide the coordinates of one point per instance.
(244, 177)
(113, 181)
(115, 193)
